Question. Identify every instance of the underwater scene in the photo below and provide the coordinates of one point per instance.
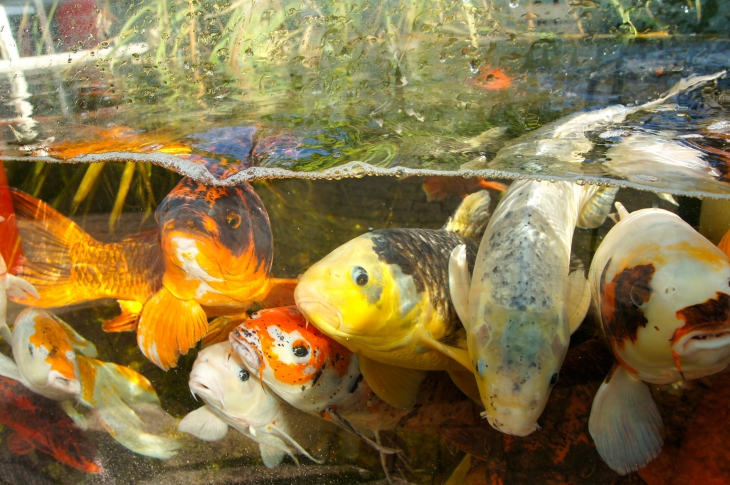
(382, 242)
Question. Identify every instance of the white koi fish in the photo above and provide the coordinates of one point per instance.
(523, 302)
(662, 294)
(236, 398)
(55, 361)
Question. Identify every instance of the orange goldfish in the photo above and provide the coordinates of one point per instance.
(438, 187)
(212, 254)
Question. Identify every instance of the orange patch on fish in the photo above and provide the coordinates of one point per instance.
(438, 187)
(491, 78)
(87, 371)
(320, 349)
(53, 338)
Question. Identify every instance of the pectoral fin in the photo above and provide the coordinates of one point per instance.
(395, 385)
(455, 348)
(73, 413)
(336, 418)
(625, 422)
(168, 327)
(578, 295)
(458, 476)
(460, 282)
(271, 456)
(203, 424)
(9, 369)
(127, 320)
(281, 293)
(467, 383)
(220, 327)
(19, 288)
(130, 385)
(20, 445)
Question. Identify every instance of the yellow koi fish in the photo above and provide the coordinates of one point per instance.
(384, 295)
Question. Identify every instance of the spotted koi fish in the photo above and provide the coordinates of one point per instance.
(211, 255)
(312, 372)
(236, 398)
(662, 295)
(53, 360)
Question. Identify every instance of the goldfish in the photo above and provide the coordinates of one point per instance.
(523, 301)
(310, 371)
(438, 187)
(53, 360)
(384, 295)
(39, 423)
(661, 293)
(211, 255)
(236, 398)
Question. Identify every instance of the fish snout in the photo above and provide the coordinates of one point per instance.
(245, 351)
(205, 386)
(62, 385)
(513, 420)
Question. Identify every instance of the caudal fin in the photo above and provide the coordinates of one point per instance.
(48, 239)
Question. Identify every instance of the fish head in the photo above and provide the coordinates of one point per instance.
(220, 379)
(44, 355)
(517, 368)
(215, 240)
(290, 355)
(664, 298)
(357, 299)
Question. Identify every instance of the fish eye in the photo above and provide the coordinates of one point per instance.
(243, 375)
(234, 220)
(554, 379)
(300, 350)
(636, 297)
(360, 276)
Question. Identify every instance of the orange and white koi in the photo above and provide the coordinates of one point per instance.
(234, 397)
(311, 371)
(54, 361)
(662, 295)
(212, 255)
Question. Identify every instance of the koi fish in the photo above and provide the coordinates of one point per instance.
(53, 360)
(384, 295)
(309, 370)
(236, 398)
(438, 187)
(39, 423)
(662, 298)
(523, 301)
(13, 286)
(212, 254)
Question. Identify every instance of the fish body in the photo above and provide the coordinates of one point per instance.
(516, 307)
(661, 292)
(53, 360)
(41, 424)
(235, 397)
(211, 254)
(309, 370)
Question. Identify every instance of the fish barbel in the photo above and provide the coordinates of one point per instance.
(384, 295)
(519, 304)
(211, 254)
(236, 398)
(661, 291)
(54, 361)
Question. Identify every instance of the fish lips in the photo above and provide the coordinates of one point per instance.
(713, 338)
(63, 386)
(206, 388)
(322, 314)
(247, 352)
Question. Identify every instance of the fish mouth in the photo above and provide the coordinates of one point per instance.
(321, 314)
(699, 340)
(247, 352)
(202, 387)
(68, 387)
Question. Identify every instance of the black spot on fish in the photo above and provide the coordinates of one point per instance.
(318, 374)
(713, 314)
(423, 254)
(621, 301)
(353, 385)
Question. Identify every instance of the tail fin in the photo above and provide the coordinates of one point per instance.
(48, 239)
(10, 247)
